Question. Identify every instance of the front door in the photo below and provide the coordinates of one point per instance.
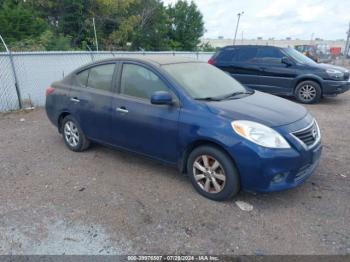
(275, 77)
(139, 125)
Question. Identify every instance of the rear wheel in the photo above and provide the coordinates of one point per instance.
(308, 92)
(213, 173)
(73, 135)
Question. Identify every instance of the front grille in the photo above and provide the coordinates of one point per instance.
(309, 135)
(346, 76)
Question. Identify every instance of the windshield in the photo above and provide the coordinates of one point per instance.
(202, 80)
(299, 57)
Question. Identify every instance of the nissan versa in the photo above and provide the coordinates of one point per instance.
(191, 115)
(282, 71)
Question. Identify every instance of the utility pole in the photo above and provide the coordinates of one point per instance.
(14, 73)
(312, 38)
(347, 44)
(93, 22)
(239, 17)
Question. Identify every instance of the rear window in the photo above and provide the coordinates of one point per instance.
(100, 77)
(82, 78)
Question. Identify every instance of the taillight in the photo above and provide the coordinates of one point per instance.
(211, 61)
(49, 91)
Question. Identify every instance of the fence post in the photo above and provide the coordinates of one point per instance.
(91, 53)
(14, 74)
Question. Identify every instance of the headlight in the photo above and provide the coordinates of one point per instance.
(335, 73)
(259, 134)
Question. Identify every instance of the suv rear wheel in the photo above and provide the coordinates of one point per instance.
(308, 92)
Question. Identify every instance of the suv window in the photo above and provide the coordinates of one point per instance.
(140, 82)
(246, 54)
(269, 55)
(100, 77)
(226, 55)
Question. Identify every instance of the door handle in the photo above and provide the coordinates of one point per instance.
(74, 99)
(122, 110)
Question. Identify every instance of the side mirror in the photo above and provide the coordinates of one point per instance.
(285, 60)
(161, 98)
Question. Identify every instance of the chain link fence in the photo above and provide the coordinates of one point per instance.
(35, 71)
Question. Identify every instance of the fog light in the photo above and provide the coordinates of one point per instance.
(279, 177)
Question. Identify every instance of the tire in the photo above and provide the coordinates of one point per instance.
(308, 92)
(73, 136)
(229, 186)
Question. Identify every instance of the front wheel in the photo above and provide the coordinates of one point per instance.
(308, 92)
(213, 173)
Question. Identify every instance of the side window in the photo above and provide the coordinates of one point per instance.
(269, 55)
(82, 78)
(226, 55)
(100, 77)
(140, 82)
(246, 54)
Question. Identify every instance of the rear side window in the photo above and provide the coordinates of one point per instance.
(246, 54)
(226, 55)
(82, 78)
(100, 77)
(140, 82)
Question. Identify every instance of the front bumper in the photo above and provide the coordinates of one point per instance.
(332, 87)
(266, 170)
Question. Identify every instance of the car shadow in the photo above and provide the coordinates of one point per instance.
(160, 169)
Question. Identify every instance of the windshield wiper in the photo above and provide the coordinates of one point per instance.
(219, 98)
(208, 98)
(236, 94)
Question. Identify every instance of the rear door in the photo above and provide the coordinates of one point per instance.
(137, 124)
(275, 77)
(91, 101)
(238, 62)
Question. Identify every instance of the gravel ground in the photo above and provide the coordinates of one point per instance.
(103, 201)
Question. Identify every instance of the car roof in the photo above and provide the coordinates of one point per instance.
(157, 60)
(230, 46)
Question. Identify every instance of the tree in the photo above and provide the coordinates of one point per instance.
(18, 23)
(120, 24)
(186, 25)
(151, 31)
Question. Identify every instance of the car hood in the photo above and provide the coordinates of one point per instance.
(259, 107)
(328, 66)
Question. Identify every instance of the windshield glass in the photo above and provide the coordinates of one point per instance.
(202, 80)
(299, 57)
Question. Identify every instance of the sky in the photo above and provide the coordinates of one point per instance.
(326, 19)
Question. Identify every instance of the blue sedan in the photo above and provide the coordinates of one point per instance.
(191, 115)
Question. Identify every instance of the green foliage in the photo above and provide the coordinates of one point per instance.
(206, 47)
(120, 25)
(150, 32)
(18, 23)
(186, 25)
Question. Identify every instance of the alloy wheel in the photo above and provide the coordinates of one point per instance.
(307, 93)
(71, 133)
(209, 174)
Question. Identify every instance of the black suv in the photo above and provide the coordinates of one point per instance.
(282, 71)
